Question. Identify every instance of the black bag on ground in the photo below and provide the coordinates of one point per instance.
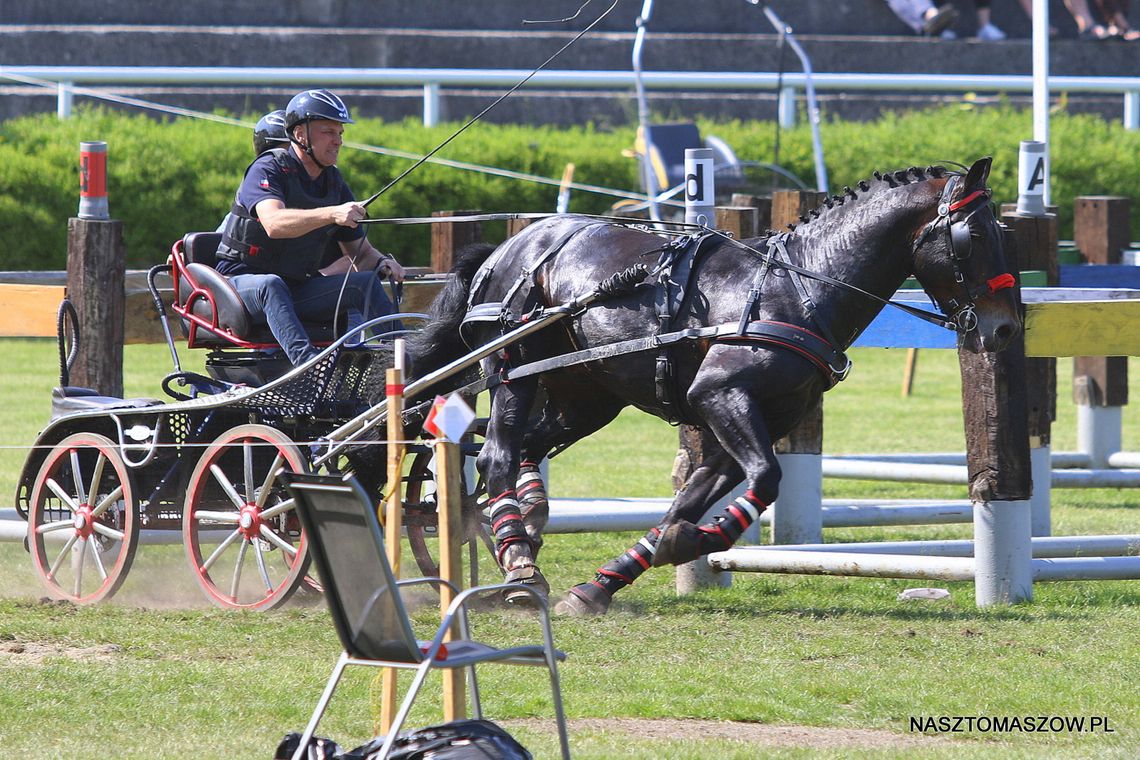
(458, 740)
(320, 748)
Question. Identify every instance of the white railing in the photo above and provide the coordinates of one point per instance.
(65, 78)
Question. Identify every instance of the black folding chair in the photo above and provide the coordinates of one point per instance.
(347, 545)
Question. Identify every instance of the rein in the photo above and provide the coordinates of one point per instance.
(771, 261)
(496, 102)
(961, 318)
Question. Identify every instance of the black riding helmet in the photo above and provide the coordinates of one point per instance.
(270, 131)
(314, 104)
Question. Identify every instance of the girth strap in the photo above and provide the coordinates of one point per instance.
(828, 359)
(775, 248)
(676, 266)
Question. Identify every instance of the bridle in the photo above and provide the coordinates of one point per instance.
(955, 217)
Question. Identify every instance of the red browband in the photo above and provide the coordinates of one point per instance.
(967, 200)
(1001, 282)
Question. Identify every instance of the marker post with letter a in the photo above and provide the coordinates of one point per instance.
(1032, 178)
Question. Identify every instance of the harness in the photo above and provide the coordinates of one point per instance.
(519, 300)
(675, 270)
(675, 267)
(822, 350)
(676, 264)
(244, 238)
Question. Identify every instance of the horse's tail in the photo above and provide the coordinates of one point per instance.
(439, 342)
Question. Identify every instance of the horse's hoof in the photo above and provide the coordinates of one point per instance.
(679, 543)
(584, 600)
(528, 575)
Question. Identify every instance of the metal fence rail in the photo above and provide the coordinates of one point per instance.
(65, 78)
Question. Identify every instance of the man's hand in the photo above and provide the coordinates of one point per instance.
(348, 214)
(391, 268)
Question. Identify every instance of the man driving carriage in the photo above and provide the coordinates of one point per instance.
(291, 204)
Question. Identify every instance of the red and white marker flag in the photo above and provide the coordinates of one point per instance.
(449, 418)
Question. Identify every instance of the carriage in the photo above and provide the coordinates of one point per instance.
(205, 464)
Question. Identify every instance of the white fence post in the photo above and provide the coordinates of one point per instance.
(431, 104)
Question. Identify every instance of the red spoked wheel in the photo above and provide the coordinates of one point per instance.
(83, 525)
(237, 506)
(421, 518)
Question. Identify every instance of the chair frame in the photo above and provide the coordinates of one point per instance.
(306, 490)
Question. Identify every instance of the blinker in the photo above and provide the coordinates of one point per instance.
(960, 239)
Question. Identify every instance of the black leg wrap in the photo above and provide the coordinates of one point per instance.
(533, 502)
(624, 570)
(722, 532)
(684, 542)
(584, 600)
(507, 524)
(680, 543)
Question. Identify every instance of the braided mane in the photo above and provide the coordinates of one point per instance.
(879, 182)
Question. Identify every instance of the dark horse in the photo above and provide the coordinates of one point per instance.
(775, 344)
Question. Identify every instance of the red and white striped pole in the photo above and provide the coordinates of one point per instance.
(93, 181)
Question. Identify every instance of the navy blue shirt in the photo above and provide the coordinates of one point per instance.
(265, 179)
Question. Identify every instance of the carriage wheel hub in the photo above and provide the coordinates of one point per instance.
(250, 521)
(83, 521)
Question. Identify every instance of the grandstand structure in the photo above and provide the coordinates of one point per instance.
(857, 36)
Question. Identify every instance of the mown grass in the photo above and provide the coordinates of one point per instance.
(157, 673)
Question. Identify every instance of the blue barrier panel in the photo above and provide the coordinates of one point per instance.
(894, 328)
(1100, 276)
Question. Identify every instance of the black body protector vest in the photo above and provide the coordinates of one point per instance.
(244, 238)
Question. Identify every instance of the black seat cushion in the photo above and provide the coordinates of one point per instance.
(202, 247)
(231, 314)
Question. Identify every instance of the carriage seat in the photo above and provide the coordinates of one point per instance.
(213, 315)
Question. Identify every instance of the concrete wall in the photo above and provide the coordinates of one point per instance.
(727, 35)
(858, 17)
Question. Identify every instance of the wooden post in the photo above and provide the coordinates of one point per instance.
(1033, 245)
(450, 515)
(515, 226)
(695, 575)
(394, 510)
(447, 238)
(997, 459)
(908, 371)
(994, 409)
(96, 266)
(1101, 229)
(762, 204)
(789, 205)
(797, 516)
(739, 221)
(997, 428)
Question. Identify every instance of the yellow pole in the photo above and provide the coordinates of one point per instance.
(450, 514)
(908, 371)
(393, 522)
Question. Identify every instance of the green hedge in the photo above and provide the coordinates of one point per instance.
(167, 178)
